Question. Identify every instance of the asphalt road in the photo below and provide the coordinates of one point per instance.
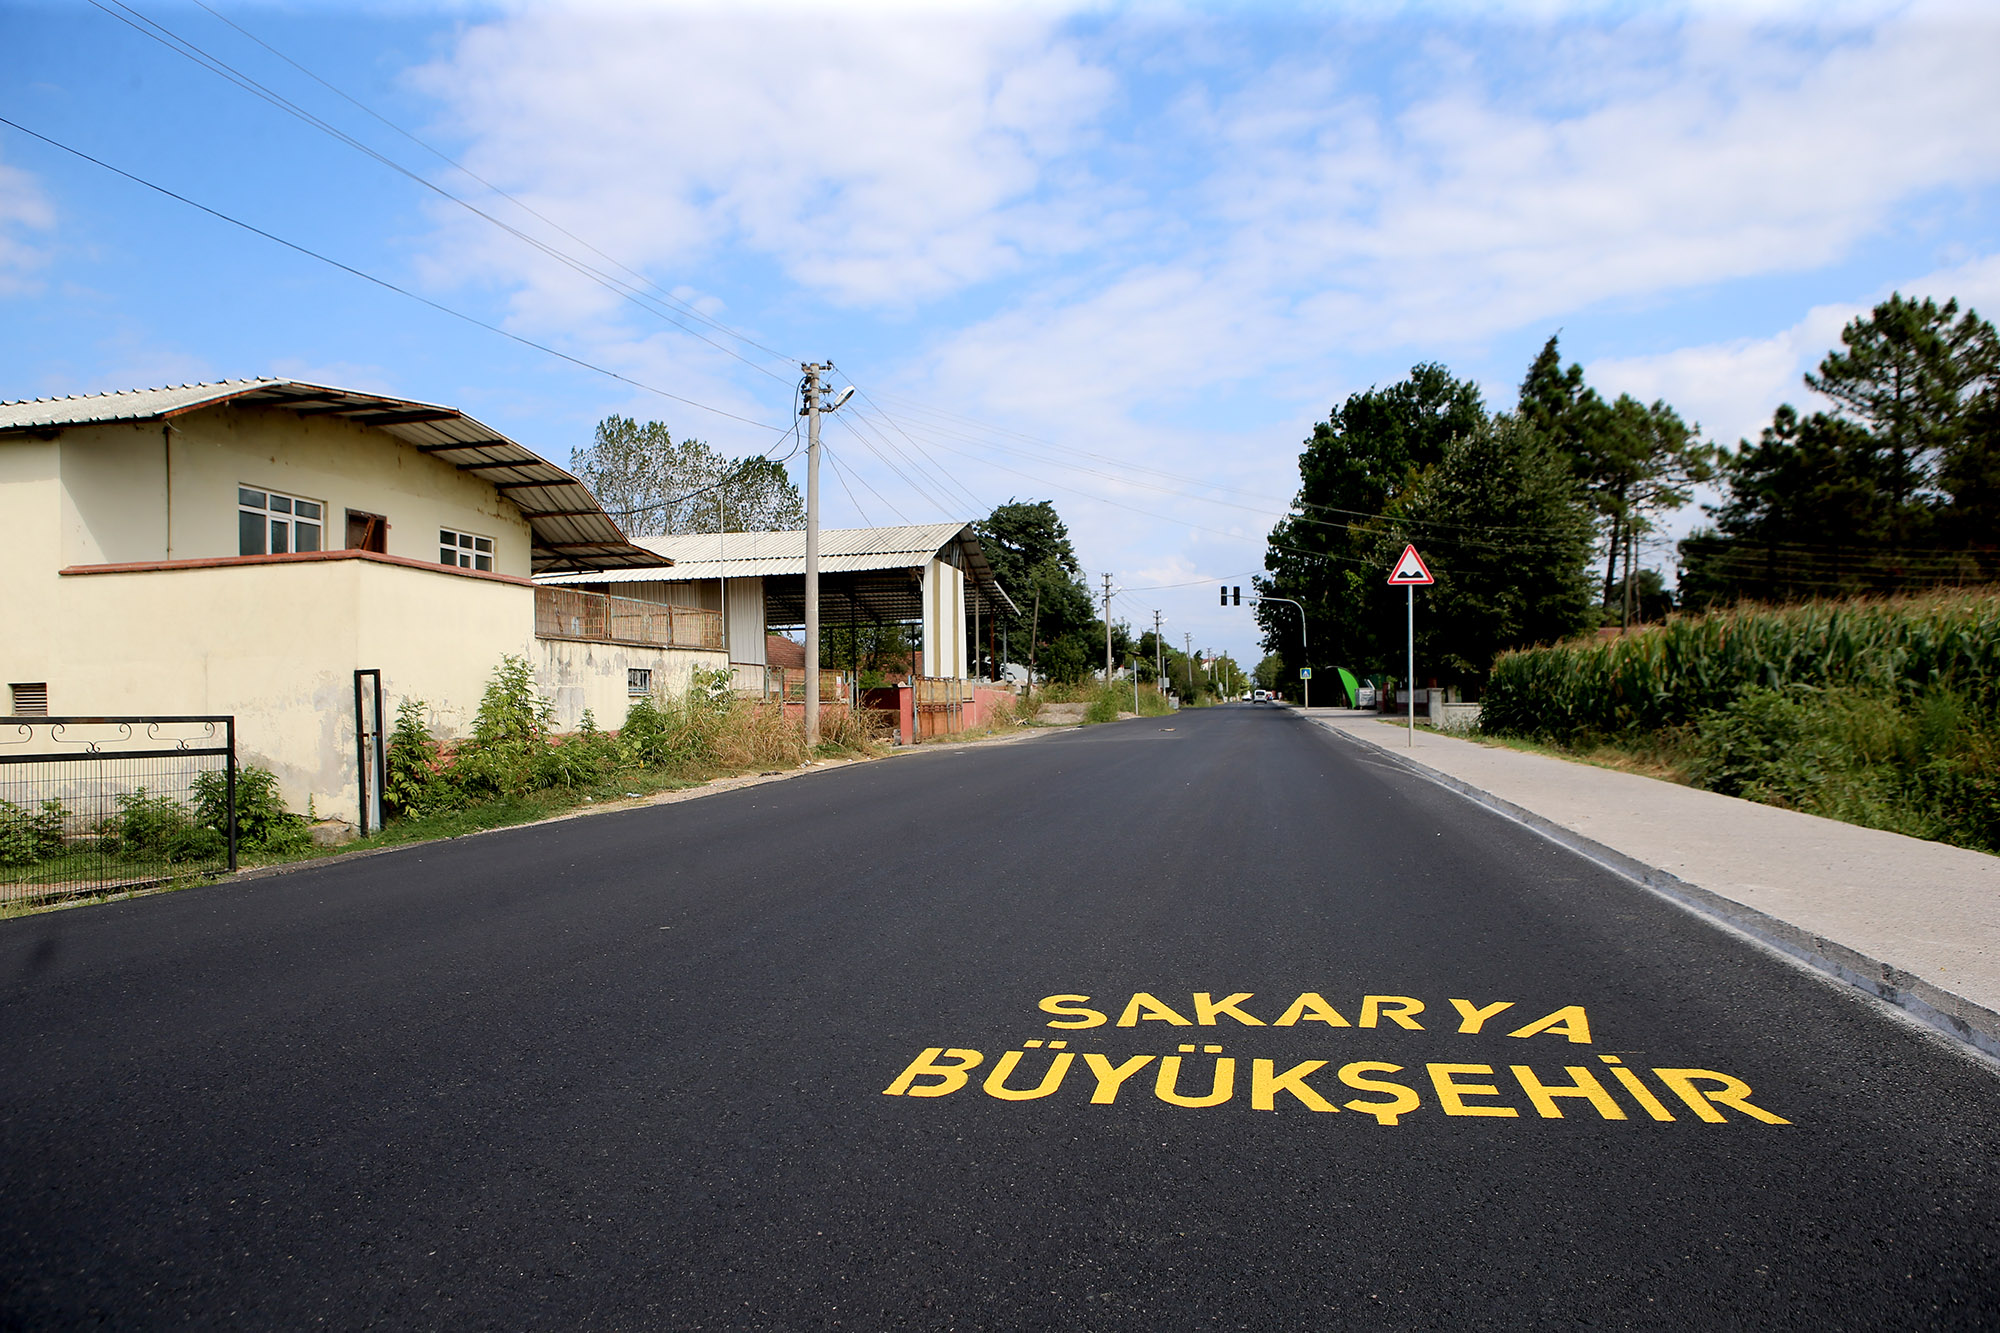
(666, 1069)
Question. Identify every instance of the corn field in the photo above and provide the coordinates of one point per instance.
(1670, 676)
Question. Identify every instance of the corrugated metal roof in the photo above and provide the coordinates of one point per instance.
(571, 530)
(777, 555)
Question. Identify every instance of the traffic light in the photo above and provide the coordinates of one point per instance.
(1225, 590)
(1225, 595)
(1239, 595)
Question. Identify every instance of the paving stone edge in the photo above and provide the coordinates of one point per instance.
(1954, 1015)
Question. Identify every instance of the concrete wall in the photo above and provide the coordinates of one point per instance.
(30, 525)
(143, 492)
(277, 643)
(577, 675)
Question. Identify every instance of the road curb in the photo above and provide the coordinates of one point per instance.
(1935, 1007)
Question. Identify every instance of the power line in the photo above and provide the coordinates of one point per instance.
(1436, 528)
(919, 487)
(222, 69)
(1196, 583)
(950, 478)
(922, 465)
(665, 295)
(385, 284)
(840, 474)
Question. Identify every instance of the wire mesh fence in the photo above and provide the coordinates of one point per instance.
(103, 804)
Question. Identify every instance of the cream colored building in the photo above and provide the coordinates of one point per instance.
(248, 547)
(932, 577)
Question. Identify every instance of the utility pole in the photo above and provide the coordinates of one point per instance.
(1158, 659)
(811, 413)
(1107, 631)
(1188, 640)
(1034, 634)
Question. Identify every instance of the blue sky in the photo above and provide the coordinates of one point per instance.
(1117, 256)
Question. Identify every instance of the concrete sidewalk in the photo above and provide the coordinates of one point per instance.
(1916, 923)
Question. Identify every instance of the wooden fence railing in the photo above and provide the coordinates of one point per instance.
(570, 613)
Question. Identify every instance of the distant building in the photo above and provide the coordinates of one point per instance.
(932, 577)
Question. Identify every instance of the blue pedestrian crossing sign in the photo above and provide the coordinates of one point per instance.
(1410, 570)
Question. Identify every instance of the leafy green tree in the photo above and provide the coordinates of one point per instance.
(1912, 374)
(1055, 628)
(1898, 487)
(874, 651)
(1970, 478)
(1353, 465)
(1268, 671)
(1226, 678)
(1502, 479)
(1803, 516)
(1635, 462)
(654, 486)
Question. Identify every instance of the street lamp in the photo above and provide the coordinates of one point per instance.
(1304, 647)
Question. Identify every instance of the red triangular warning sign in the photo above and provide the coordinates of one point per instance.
(1410, 570)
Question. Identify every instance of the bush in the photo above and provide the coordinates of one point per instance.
(1931, 770)
(28, 836)
(710, 726)
(160, 828)
(510, 750)
(262, 821)
(1884, 713)
(852, 730)
(587, 757)
(1663, 678)
(418, 781)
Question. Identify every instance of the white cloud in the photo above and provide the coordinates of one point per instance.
(24, 208)
(897, 158)
(1693, 154)
(1732, 387)
(1100, 233)
(877, 158)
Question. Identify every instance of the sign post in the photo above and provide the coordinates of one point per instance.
(1411, 572)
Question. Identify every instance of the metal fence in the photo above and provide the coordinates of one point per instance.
(939, 704)
(789, 684)
(101, 804)
(567, 613)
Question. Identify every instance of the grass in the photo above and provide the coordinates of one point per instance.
(1882, 713)
(1103, 703)
(1662, 762)
(745, 740)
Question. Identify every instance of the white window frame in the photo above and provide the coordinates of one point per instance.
(466, 550)
(283, 517)
(638, 681)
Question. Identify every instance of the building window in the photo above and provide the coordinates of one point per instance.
(367, 532)
(268, 523)
(31, 700)
(638, 680)
(465, 551)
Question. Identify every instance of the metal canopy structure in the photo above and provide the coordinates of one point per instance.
(570, 528)
(865, 574)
